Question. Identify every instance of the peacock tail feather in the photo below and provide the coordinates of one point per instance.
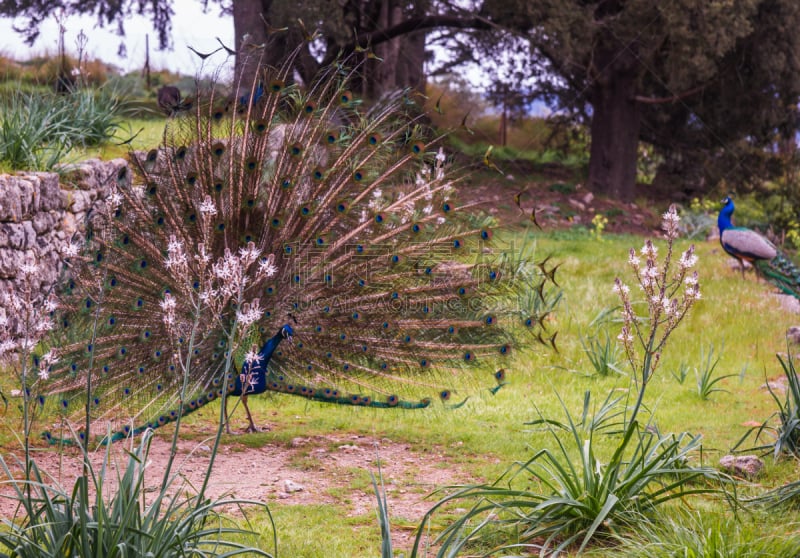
(307, 209)
(781, 272)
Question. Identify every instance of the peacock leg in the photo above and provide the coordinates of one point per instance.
(252, 427)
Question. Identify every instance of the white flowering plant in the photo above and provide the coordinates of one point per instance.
(25, 319)
(204, 288)
(670, 289)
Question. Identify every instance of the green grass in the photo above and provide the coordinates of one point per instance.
(147, 132)
(489, 432)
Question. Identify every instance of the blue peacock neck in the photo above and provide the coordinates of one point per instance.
(257, 371)
(269, 347)
(725, 214)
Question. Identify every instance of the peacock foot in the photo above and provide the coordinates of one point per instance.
(253, 428)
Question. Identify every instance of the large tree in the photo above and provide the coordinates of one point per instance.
(694, 78)
(265, 31)
(694, 74)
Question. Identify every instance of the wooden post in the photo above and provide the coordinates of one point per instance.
(146, 69)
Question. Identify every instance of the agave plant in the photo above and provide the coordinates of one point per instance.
(578, 496)
(89, 523)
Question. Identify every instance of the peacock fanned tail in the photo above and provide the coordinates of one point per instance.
(348, 218)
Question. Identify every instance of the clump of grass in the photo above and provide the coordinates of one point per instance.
(707, 535)
(31, 131)
(682, 372)
(383, 514)
(38, 129)
(579, 496)
(704, 374)
(785, 436)
(603, 353)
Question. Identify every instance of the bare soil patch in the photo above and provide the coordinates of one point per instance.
(325, 467)
(558, 205)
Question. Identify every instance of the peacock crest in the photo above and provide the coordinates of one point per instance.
(299, 243)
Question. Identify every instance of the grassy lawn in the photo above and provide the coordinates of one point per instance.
(738, 317)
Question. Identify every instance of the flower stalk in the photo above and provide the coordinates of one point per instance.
(670, 289)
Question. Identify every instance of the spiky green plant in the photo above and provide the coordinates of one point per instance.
(88, 522)
(704, 374)
(578, 496)
(603, 353)
(783, 438)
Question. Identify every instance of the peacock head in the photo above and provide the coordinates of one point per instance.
(287, 332)
(724, 219)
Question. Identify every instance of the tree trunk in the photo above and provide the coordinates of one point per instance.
(402, 58)
(615, 128)
(411, 70)
(249, 30)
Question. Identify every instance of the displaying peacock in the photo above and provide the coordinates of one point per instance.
(301, 243)
(747, 245)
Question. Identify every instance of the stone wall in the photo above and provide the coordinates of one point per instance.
(40, 212)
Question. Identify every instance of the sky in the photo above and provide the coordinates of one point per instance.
(192, 28)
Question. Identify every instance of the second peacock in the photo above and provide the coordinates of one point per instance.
(300, 244)
(746, 245)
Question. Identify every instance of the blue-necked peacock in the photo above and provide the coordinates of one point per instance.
(324, 233)
(747, 245)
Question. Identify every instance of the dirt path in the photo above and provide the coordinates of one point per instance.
(314, 470)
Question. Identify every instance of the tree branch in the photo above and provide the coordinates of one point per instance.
(409, 26)
(674, 98)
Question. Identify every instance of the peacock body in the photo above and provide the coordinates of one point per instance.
(747, 245)
(298, 244)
